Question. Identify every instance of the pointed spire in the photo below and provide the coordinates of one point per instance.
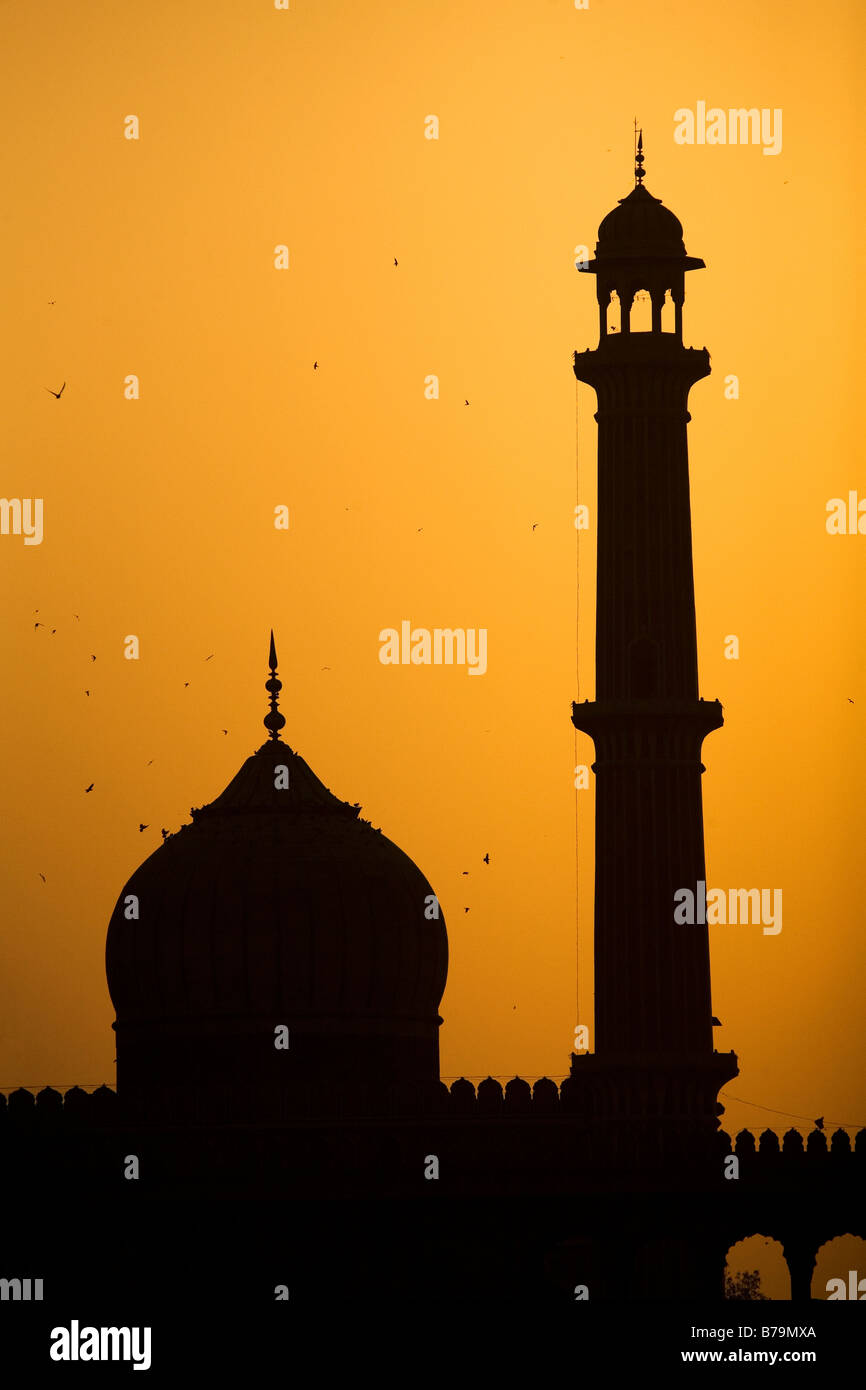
(639, 172)
(273, 721)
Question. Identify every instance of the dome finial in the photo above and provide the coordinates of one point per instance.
(639, 173)
(273, 721)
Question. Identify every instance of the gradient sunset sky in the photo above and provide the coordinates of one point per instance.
(260, 127)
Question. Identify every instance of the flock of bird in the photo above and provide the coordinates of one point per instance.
(52, 631)
(465, 874)
(58, 394)
(142, 826)
(166, 834)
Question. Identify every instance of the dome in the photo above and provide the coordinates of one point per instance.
(638, 227)
(278, 905)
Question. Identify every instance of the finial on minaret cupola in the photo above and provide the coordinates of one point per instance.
(273, 721)
(639, 172)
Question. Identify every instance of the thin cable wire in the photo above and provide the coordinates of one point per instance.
(789, 1113)
(577, 682)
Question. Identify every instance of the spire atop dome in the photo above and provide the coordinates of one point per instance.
(639, 171)
(273, 720)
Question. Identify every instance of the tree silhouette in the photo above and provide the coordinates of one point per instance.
(744, 1286)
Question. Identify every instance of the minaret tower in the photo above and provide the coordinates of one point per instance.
(653, 1041)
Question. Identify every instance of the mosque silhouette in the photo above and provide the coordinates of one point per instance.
(277, 965)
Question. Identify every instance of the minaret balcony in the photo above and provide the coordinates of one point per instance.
(641, 350)
(665, 723)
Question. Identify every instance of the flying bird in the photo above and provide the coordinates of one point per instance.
(465, 402)
(185, 684)
(534, 525)
(466, 872)
(466, 909)
(92, 657)
(209, 658)
(716, 1022)
(487, 859)
(326, 668)
(225, 731)
(147, 764)
(395, 260)
(87, 692)
(819, 1124)
(89, 789)
(850, 701)
(51, 301)
(315, 366)
(76, 617)
(57, 394)
(42, 876)
(36, 625)
(142, 827)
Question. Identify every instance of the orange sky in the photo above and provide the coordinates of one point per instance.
(260, 127)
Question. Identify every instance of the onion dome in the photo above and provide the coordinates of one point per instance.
(278, 938)
(640, 226)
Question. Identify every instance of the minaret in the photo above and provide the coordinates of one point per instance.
(653, 1047)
